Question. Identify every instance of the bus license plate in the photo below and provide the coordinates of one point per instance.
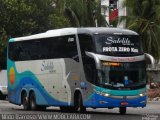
(124, 103)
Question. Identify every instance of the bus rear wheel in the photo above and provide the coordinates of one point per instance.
(122, 110)
(32, 101)
(25, 101)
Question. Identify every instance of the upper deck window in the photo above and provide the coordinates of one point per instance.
(118, 45)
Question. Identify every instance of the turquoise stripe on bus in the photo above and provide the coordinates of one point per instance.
(28, 78)
(121, 92)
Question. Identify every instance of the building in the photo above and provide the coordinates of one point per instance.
(112, 9)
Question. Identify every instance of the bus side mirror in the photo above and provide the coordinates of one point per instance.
(151, 59)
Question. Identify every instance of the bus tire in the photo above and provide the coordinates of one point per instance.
(32, 101)
(25, 101)
(82, 109)
(122, 110)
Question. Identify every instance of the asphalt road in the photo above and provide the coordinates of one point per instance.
(9, 111)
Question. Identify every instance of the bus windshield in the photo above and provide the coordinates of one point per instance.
(118, 45)
(123, 75)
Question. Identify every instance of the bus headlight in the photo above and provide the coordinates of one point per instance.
(106, 94)
(102, 93)
(142, 94)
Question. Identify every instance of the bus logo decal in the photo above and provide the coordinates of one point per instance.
(48, 66)
(124, 41)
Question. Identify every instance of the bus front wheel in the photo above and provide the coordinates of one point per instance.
(82, 108)
(122, 110)
(25, 101)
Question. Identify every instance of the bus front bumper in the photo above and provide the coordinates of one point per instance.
(99, 101)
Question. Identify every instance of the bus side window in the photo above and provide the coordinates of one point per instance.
(44, 48)
(11, 51)
(61, 48)
(86, 44)
(15, 51)
(71, 48)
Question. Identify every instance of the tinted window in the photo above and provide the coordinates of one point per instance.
(47, 48)
(86, 44)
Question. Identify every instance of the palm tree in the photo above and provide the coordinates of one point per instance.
(143, 17)
(82, 13)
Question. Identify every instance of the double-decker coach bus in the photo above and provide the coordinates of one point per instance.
(76, 68)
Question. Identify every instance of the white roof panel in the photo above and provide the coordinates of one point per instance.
(50, 33)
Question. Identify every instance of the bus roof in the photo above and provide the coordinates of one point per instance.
(71, 31)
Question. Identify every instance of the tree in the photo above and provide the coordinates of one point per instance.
(25, 17)
(82, 13)
(143, 17)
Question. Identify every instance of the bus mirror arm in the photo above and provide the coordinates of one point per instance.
(152, 60)
(95, 57)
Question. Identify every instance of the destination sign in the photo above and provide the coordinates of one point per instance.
(111, 64)
(120, 49)
(118, 44)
